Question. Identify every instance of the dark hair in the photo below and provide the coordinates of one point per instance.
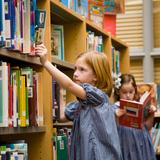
(126, 78)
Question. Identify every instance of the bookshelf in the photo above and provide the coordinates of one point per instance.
(75, 34)
(39, 139)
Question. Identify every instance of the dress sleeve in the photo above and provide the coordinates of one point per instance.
(94, 97)
(71, 109)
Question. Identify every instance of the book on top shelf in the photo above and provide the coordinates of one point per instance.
(57, 41)
(134, 115)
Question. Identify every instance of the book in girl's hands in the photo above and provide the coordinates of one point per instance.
(134, 116)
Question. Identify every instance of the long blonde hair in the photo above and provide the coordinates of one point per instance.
(100, 64)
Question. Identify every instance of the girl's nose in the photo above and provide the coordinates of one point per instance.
(74, 74)
(128, 95)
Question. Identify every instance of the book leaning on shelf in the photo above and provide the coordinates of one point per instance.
(134, 115)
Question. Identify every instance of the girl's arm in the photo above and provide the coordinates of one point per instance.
(150, 119)
(59, 76)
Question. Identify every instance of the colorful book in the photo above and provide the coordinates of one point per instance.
(57, 41)
(40, 19)
(134, 116)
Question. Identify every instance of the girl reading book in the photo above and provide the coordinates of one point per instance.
(135, 143)
(94, 133)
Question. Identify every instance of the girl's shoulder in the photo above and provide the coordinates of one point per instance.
(94, 96)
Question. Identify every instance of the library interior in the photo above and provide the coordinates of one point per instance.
(32, 101)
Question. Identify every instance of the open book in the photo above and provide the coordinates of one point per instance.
(134, 115)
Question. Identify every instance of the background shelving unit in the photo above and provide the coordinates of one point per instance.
(39, 139)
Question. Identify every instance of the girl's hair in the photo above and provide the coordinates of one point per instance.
(100, 64)
(126, 78)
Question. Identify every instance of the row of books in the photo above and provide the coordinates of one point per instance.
(79, 6)
(21, 99)
(94, 42)
(21, 25)
(155, 135)
(115, 61)
(58, 101)
(17, 150)
(102, 12)
(83, 7)
(61, 144)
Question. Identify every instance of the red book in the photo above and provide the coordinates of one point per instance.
(134, 116)
(109, 23)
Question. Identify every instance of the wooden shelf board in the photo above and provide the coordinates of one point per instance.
(61, 13)
(117, 43)
(64, 124)
(62, 64)
(19, 56)
(21, 130)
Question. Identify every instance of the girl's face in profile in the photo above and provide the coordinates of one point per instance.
(127, 91)
(83, 72)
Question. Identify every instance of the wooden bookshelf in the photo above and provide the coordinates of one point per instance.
(75, 34)
(21, 130)
(39, 139)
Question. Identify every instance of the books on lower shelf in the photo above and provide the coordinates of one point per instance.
(61, 144)
(21, 100)
(134, 115)
(14, 150)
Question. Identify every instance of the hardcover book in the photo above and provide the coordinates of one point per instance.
(57, 41)
(134, 115)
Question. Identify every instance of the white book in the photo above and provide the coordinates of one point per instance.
(15, 99)
(26, 27)
(5, 93)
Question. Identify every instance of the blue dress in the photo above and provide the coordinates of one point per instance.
(94, 132)
(135, 143)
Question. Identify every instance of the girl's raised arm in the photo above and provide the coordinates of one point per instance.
(59, 76)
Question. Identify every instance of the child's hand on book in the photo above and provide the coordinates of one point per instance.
(41, 51)
(152, 109)
(120, 112)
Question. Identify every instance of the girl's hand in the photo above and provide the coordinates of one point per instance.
(41, 51)
(152, 109)
(120, 112)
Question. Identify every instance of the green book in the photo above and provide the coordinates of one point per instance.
(62, 147)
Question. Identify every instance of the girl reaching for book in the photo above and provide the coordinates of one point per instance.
(135, 143)
(94, 133)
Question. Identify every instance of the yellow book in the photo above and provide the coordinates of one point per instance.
(22, 110)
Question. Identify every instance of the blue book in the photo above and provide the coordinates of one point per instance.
(2, 21)
(33, 6)
(1, 18)
(10, 23)
(65, 2)
(83, 7)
